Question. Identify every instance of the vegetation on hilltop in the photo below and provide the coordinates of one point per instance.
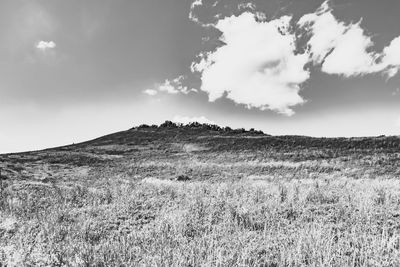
(201, 126)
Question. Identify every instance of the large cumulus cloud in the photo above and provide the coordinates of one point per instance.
(257, 63)
(256, 66)
(346, 49)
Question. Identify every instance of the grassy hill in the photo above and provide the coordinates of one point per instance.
(202, 195)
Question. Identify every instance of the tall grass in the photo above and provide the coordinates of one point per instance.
(341, 222)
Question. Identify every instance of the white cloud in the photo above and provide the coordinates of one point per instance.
(391, 57)
(150, 92)
(325, 30)
(44, 45)
(345, 49)
(168, 88)
(196, 3)
(174, 86)
(192, 15)
(186, 120)
(350, 56)
(248, 5)
(333, 43)
(257, 65)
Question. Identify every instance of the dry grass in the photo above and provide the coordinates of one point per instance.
(341, 222)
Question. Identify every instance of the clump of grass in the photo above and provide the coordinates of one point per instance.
(283, 192)
(380, 197)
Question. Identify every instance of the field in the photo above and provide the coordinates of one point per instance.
(200, 195)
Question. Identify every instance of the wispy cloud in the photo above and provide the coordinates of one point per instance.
(248, 5)
(173, 86)
(150, 92)
(192, 15)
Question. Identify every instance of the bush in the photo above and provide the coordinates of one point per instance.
(168, 124)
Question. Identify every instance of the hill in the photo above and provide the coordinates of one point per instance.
(198, 194)
(146, 149)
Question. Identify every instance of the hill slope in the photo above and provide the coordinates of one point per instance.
(193, 150)
(201, 195)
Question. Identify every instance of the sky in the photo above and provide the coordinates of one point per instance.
(75, 70)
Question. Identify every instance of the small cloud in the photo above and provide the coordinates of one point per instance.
(396, 92)
(174, 86)
(248, 5)
(44, 45)
(193, 16)
(196, 3)
(187, 120)
(150, 92)
(168, 88)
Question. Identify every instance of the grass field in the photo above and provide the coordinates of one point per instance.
(248, 199)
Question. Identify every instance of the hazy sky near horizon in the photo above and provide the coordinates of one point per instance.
(75, 70)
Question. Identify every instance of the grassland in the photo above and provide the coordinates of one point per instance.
(251, 200)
